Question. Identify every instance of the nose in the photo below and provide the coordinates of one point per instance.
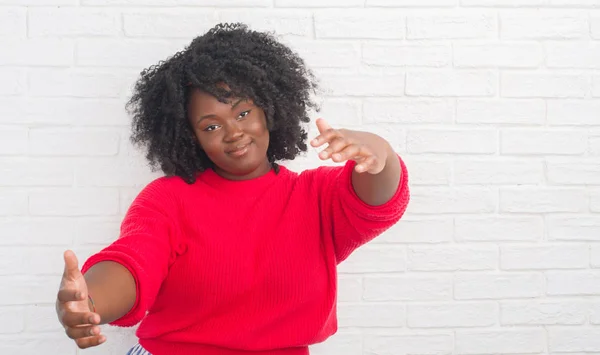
(233, 132)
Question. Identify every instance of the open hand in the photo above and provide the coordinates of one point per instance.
(346, 145)
(73, 309)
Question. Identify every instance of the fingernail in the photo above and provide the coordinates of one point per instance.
(92, 331)
(102, 340)
(337, 156)
(78, 295)
(92, 319)
(315, 141)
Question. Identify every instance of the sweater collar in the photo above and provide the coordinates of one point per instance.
(216, 181)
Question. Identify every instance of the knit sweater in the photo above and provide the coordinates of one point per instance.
(228, 267)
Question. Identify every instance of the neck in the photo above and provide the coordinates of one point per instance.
(261, 170)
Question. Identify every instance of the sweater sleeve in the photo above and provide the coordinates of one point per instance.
(148, 244)
(350, 221)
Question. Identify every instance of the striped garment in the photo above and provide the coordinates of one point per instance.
(138, 350)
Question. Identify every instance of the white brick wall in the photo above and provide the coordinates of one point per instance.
(494, 104)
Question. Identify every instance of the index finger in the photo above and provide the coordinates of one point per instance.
(71, 270)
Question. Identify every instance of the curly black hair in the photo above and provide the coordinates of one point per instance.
(254, 65)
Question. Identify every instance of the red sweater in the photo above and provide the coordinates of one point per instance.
(227, 267)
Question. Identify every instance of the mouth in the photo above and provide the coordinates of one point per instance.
(239, 150)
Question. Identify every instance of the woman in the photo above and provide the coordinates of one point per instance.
(230, 253)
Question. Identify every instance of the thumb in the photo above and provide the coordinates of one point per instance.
(322, 125)
(71, 265)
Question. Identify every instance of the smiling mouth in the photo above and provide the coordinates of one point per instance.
(240, 150)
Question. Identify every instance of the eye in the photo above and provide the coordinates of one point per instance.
(210, 128)
(244, 114)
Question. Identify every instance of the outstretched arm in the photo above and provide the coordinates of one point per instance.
(377, 173)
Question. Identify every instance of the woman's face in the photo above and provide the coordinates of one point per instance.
(233, 135)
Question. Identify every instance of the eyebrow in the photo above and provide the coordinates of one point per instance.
(210, 115)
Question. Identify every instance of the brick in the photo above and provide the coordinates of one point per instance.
(501, 228)
(73, 21)
(27, 53)
(28, 289)
(58, 232)
(327, 54)
(41, 318)
(375, 258)
(595, 203)
(13, 321)
(75, 83)
(498, 172)
(341, 111)
(13, 202)
(363, 84)
(215, 3)
(13, 22)
(595, 26)
(341, 343)
(572, 339)
(64, 111)
(403, 55)
(74, 202)
(282, 22)
(469, 286)
(110, 172)
(574, 112)
(400, 342)
(408, 288)
(429, 171)
(455, 83)
(360, 23)
(350, 288)
(226, 3)
(471, 141)
(543, 313)
(451, 26)
(505, 55)
(168, 23)
(454, 258)
(13, 140)
(18, 260)
(595, 256)
(595, 314)
(411, 3)
(379, 315)
(574, 172)
(574, 3)
(544, 257)
(436, 200)
(408, 111)
(594, 145)
(543, 142)
(319, 3)
(39, 2)
(544, 85)
(534, 24)
(505, 111)
(124, 53)
(573, 283)
(38, 343)
(505, 341)
(73, 142)
(543, 200)
(561, 55)
(418, 230)
(503, 3)
(35, 172)
(455, 315)
(573, 228)
(14, 81)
